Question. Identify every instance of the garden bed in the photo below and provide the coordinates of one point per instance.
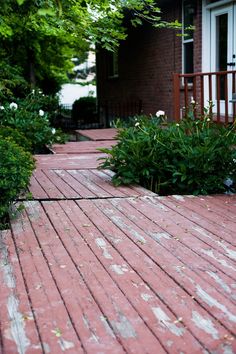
(195, 156)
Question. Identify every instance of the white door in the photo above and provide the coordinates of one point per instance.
(223, 50)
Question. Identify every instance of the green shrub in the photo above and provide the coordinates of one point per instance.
(16, 136)
(12, 83)
(36, 101)
(16, 166)
(192, 157)
(33, 124)
(84, 109)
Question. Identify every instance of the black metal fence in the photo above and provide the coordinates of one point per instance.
(120, 109)
(110, 111)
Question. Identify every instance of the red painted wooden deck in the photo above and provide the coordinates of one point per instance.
(82, 147)
(79, 184)
(69, 161)
(89, 268)
(98, 134)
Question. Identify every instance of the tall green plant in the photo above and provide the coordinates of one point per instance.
(192, 157)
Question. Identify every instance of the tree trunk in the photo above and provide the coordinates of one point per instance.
(32, 77)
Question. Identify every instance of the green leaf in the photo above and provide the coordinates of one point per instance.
(46, 12)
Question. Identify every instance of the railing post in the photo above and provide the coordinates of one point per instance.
(176, 91)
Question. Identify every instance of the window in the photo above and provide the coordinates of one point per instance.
(113, 64)
(188, 21)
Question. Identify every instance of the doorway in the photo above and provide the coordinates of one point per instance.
(219, 48)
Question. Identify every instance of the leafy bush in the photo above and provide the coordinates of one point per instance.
(12, 82)
(192, 157)
(33, 124)
(84, 109)
(36, 101)
(16, 136)
(16, 166)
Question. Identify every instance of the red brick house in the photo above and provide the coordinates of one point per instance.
(140, 76)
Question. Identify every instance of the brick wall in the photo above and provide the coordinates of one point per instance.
(147, 60)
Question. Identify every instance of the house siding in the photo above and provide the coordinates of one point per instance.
(147, 60)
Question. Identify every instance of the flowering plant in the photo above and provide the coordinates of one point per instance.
(34, 124)
(190, 157)
(160, 114)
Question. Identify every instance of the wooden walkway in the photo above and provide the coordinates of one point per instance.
(98, 134)
(89, 268)
(69, 161)
(82, 147)
(79, 184)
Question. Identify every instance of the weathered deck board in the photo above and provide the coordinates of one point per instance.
(18, 329)
(99, 134)
(136, 292)
(67, 161)
(118, 275)
(208, 203)
(159, 256)
(150, 217)
(185, 209)
(206, 210)
(82, 147)
(90, 268)
(77, 184)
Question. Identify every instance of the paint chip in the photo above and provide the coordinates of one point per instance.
(124, 327)
(205, 324)
(65, 345)
(166, 322)
(119, 269)
(146, 297)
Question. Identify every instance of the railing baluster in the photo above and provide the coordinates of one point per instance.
(226, 99)
(186, 103)
(195, 93)
(234, 91)
(218, 96)
(202, 94)
(210, 93)
(215, 85)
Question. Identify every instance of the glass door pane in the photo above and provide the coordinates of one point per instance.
(222, 34)
(222, 49)
(222, 42)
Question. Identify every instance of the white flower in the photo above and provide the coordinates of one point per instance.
(208, 120)
(160, 114)
(192, 100)
(2, 108)
(53, 131)
(13, 105)
(177, 124)
(137, 124)
(41, 113)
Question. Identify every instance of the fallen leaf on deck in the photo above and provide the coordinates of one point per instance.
(57, 332)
